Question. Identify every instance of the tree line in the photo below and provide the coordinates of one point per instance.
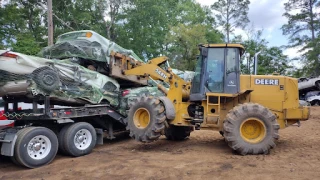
(172, 28)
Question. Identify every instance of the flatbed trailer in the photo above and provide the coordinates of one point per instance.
(38, 133)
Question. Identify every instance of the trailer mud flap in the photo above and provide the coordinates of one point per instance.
(8, 142)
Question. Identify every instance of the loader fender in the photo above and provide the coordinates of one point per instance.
(170, 111)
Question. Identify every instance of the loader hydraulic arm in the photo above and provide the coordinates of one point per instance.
(151, 69)
(127, 68)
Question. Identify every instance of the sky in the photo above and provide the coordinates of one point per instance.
(267, 15)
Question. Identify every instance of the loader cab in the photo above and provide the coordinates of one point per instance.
(217, 70)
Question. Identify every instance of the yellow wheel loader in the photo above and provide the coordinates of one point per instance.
(248, 110)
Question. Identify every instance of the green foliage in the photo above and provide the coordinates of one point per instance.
(303, 21)
(144, 25)
(311, 58)
(231, 14)
(270, 60)
(182, 41)
(11, 23)
(78, 15)
(273, 60)
(303, 27)
(26, 44)
(153, 28)
(21, 26)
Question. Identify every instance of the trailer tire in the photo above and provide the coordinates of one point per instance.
(61, 135)
(35, 147)
(79, 139)
(13, 158)
(146, 119)
(251, 129)
(177, 133)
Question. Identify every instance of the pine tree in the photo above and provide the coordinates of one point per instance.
(231, 14)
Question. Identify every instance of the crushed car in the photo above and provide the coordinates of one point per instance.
(313, 98)
(72, 72)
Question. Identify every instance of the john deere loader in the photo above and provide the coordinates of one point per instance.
(248, 110)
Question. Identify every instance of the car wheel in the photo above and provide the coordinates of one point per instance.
(46, 79)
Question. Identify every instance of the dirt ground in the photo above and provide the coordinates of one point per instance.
(203, 156)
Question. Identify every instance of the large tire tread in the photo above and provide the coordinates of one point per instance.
(231, 128)
(156, 126)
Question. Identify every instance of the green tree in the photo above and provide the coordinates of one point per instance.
(21, 24)
(26, 44)
(69, 15)
(311, 58)
(143, 25)
(231, 14)
(270, 59)
(183, 40)
(254, 43)
(303, 28)
(111, 9)
(303, 21)
(11, 23)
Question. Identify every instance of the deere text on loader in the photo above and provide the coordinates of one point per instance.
(248, 110)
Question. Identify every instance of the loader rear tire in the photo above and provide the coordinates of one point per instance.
(251, 129)
(177, 133)
(146, 119)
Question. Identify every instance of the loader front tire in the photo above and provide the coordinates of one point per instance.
(146, 119)
(251, 129)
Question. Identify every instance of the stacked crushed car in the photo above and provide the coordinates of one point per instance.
(74, 71)
(309, 90)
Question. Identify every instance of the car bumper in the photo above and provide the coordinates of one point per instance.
(15, 88)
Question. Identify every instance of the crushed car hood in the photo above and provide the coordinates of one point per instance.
(96, 48)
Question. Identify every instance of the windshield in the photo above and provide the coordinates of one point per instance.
(71, 36)
(215, 69)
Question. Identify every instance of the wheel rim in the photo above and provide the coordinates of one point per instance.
(253, 130)
(39, 147)
(141, 118)
(83, 139)
(48, 80)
